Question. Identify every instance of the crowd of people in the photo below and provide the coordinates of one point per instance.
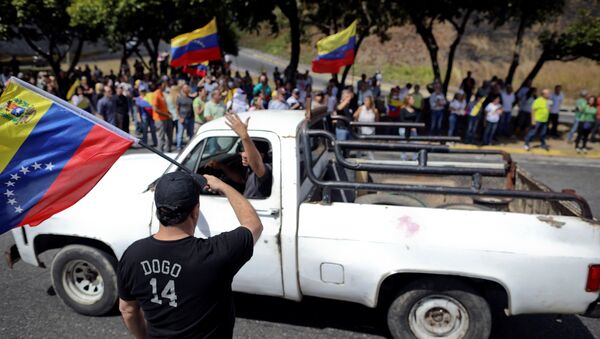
(169, 108)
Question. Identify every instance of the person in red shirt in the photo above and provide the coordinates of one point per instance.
(162, 118)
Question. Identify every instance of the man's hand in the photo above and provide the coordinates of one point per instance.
(235, 123)
(215, 185)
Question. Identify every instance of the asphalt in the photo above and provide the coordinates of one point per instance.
(28, 311)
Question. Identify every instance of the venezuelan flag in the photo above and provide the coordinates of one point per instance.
(199, 70)
(394, 106)
(51, 155)
(335, 51)
(197, 46)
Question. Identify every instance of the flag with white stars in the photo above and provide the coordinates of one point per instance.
(52, 154)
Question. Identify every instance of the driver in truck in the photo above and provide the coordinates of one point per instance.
(254, 153)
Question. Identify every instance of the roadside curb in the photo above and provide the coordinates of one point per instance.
(533, 151)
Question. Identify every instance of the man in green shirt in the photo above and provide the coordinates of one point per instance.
(539, 119)
(198, 105)
(214, 108)
(580, 105)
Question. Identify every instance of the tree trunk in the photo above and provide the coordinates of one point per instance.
(536, 69)
(460, 30)
(290, 9)
(517, 51)
(426, 34)
(152, 48)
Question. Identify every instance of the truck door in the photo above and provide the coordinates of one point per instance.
(262, 274)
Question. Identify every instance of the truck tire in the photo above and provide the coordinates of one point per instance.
(439, 308)
(85, 279)
(390, 199)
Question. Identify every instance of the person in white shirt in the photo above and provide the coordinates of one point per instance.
(508, 101)
(437, 102)
(294, 100)
(367, 113)
(492, 115)
(278, 101)
(457, 112)
(557, 99)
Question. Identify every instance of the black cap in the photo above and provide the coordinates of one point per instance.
(175, 195)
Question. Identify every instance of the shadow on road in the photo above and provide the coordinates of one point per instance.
(321, 314)
(312, 312)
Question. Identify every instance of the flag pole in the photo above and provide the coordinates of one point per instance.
(164, 156)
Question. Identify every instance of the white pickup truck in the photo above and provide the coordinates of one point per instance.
(432, 242)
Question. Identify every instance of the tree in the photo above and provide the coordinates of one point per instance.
(47, 29)
(374, 18)
(526, 13)
(581, 39)
(425, 14)
(130, 24)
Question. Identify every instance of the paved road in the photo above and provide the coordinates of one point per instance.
(28, 311)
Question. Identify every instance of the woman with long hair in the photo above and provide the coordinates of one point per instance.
(367, 113)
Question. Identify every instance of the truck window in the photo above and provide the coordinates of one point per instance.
(221, 157)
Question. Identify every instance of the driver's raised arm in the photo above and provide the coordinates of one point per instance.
(241, 129)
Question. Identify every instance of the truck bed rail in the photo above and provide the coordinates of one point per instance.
(476, 189)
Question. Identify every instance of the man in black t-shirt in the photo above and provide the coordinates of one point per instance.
(258, 178)
(183, 283)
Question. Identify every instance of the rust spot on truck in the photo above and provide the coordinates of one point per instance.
(551, 221)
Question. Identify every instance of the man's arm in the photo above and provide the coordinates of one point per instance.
(133, 318)
(241, 129)
(244, 211)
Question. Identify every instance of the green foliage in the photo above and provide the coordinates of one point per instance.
(579, 39)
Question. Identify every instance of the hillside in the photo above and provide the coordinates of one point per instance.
(485, 50)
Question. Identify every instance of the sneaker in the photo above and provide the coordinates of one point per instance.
(578, 150)
(526, 147)
(546, 147)
(585, 151)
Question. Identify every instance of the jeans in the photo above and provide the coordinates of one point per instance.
(342, 133)
(165, 135)
(490, 130)
(573, 130)
(452, 122)
(523, 121)
(436, 121)
(188, 126)
(583, 133)
(504, 124)
(553, 124)
(472, 129)
(123, 122)
(595, 130)
(147, 121)
(542, 128)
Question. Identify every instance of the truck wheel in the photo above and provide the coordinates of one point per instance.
(85, 279)
(439, 308)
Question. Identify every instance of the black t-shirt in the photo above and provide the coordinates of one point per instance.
(184, 286)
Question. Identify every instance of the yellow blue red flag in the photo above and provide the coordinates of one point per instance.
(51, 154)
(197, 46)
(335, 51)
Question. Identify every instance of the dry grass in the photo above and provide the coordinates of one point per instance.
(484, 50)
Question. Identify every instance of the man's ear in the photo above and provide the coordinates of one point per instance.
(196, 211)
